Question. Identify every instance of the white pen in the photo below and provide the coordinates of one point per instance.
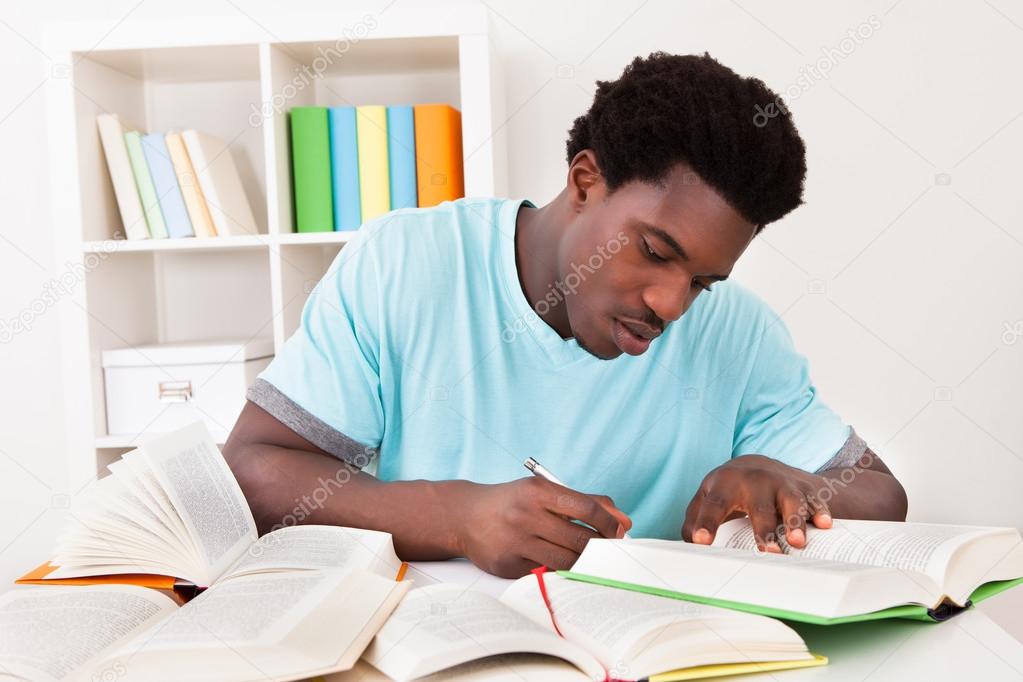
(543, 472)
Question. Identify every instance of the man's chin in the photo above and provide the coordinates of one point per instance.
(610, 354)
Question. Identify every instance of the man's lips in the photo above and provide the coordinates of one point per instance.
(632, 337)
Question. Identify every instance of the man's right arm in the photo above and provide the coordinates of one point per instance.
(505, 529)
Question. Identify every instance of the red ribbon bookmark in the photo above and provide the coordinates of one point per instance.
(538, 572)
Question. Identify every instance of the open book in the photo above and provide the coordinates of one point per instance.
(300, 601)
(275, 625)
(455, 632)
(172, 507)
(857, 570)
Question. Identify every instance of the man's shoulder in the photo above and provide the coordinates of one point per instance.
(422, 253)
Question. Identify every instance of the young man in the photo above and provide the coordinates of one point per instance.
(596, 333)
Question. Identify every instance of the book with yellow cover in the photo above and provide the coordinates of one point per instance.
(589, 632)
(439, 166)
(374, 169)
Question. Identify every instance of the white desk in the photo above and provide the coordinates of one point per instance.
(970, 646)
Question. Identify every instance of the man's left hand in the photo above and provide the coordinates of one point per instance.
(777, 498)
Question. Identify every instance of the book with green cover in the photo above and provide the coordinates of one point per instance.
(310, 164)
(144, 182)
(855, 571)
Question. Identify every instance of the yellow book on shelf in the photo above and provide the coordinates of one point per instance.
(188, 181)
(374, 170)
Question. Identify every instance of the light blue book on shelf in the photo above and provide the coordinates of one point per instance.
(401, 152)
(165, 180)
(344, 168)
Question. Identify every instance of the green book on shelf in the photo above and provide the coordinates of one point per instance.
(310, 165)
(855, 571)
(144, 182)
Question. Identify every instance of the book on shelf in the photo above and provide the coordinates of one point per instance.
(122, 177)
(310, 164)
(178, 184)
(344, 169)
(401, 156)
(587, 632)
(165, 181)
(144, 182)
(439, 166)
(352, 164)
(855, 571)
(374, 170)
(188, 181)
(220, 184)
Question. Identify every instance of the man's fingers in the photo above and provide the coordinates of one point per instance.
(820, 514)
(585, 508)
(763, 515)
(559, 531)
(547, 554)
(712, 510)
(794, 510)
(609, 504)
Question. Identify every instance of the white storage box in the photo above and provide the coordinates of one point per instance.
(161, 387)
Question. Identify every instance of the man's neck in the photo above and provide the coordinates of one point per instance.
(538, 234)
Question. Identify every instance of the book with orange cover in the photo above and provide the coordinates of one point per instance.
(38, 576)
(439, 168)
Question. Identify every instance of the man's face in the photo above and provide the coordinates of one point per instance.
(634, 261)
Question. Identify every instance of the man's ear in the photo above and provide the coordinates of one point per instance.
(585, 181)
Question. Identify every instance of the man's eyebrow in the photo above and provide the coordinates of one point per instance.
(676, 247)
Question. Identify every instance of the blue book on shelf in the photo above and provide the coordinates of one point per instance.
(165, 180)
(401, 156)
(344, 168)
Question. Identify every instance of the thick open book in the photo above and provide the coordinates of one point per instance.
(172, 507)
(300, 601)
(857, 570)
(455, 632)
(275, 625)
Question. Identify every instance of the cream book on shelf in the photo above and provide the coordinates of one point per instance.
(220, 184)
(857, 570)
(122, 177)
(454, 632)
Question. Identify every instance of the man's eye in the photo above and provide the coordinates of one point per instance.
(651, 253)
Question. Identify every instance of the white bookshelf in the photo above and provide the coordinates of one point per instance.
(236, 79)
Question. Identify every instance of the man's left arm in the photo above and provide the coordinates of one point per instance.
(793, 458)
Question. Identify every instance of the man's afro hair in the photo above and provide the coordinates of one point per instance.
(666, 109)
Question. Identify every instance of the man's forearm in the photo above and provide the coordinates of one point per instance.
(867, 490)
(286, 487)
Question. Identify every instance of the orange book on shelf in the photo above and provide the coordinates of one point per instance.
(439, 171)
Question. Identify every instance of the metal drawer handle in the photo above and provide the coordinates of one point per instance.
(175, 391)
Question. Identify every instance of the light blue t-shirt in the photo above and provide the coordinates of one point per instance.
(419, 346)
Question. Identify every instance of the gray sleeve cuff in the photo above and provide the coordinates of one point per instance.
(309, 426)
(848, 455)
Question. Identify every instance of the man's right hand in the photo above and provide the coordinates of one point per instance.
(511, 528)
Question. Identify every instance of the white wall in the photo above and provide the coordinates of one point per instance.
(899, 278)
